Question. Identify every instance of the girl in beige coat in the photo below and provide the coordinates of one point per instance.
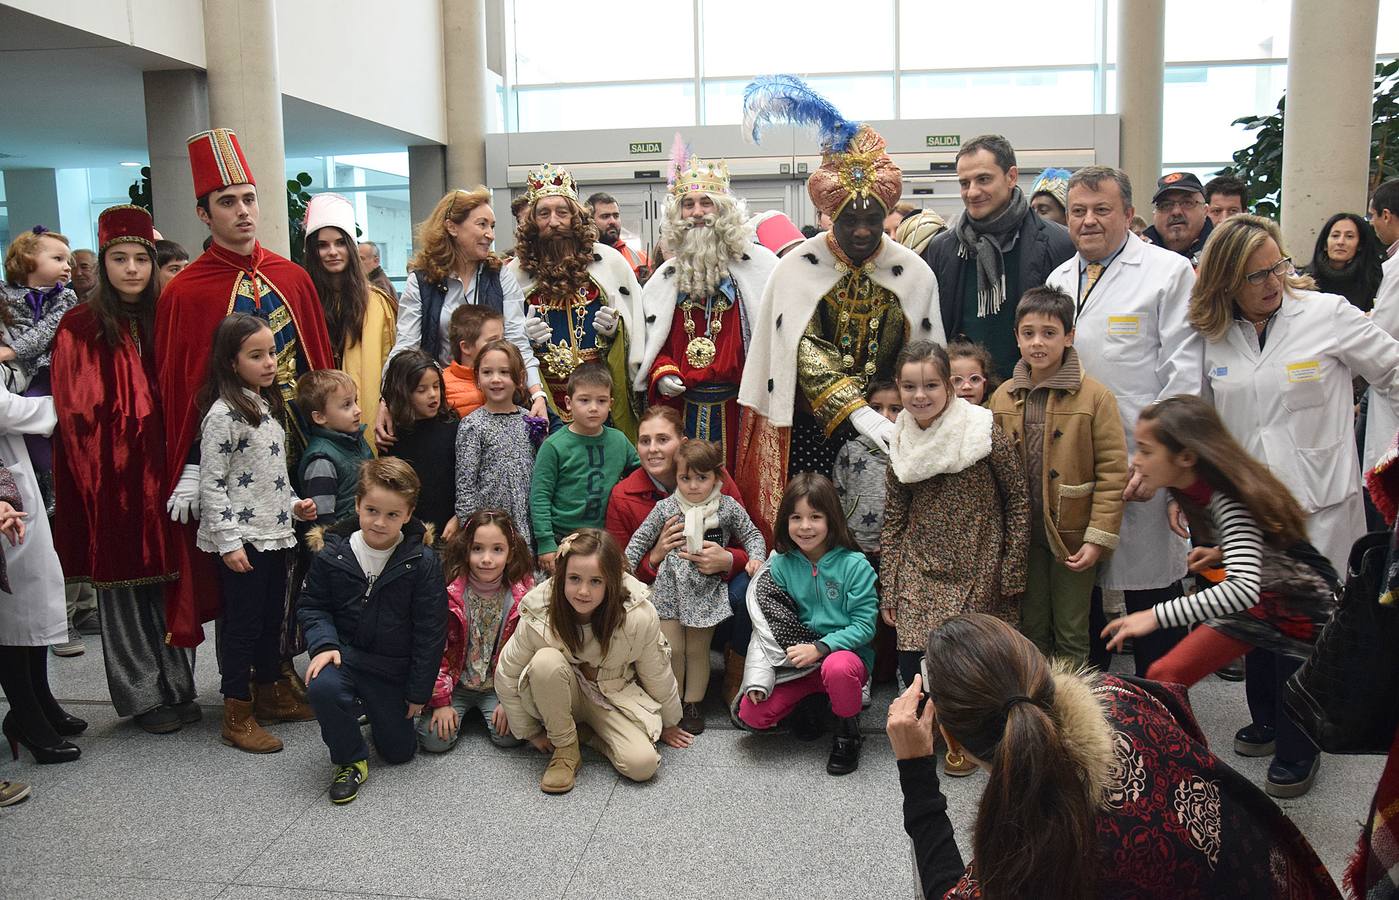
(588, 661)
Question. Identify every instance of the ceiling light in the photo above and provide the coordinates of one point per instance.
(133, 165)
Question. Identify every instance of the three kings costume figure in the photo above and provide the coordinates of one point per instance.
(837, 310)
(219, 282)
(582, 294)
(698, 307)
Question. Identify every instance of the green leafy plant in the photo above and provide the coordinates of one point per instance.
(1260, 165)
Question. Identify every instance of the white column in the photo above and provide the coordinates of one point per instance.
(464, 67)
(1330, 89)
(177, 106)
(1141, 71)
(245, 94)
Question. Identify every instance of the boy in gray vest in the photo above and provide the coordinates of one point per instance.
(329, 400)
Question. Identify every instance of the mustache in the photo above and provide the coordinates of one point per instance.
(1177, 220)
(701, 222)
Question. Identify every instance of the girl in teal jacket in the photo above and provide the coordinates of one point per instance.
(813, 606)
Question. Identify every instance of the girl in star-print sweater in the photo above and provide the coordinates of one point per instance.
(246, 508)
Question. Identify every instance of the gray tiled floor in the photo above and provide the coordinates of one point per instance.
(182, 816)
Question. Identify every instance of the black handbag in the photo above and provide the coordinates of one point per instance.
(1346, 696)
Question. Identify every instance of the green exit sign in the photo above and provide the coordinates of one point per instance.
(640, 147)
(944, 140)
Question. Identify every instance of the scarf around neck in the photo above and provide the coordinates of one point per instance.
(987, 241)
(699, 517)
(956, 440)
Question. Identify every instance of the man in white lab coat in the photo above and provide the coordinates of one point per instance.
(1131, 334)
(1382, 425)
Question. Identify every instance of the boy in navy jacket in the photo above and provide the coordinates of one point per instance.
(374, 609)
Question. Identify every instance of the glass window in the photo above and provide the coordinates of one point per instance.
(856, 96)
(742, 37)
(1201, 102)
(1387, 34)
(1244, 29)
(632, 40)
(943, 95)
(606, 106)
(1020, 33)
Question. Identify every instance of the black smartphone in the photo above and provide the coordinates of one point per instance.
(923, 688)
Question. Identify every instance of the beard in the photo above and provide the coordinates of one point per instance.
(557, 247)
(610, 236)
(702, 259)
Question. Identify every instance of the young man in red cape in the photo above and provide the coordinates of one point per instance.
(236, 274)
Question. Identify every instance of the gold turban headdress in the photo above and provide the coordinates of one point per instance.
(854, 162)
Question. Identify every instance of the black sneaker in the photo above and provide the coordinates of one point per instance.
(161, 720)
(1287, 779)
(1255, 740)
(189, 712)
(345, 786)
(845, 749)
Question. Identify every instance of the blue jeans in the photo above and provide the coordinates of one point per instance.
(332, 694)
(740, 626)
(463, 700)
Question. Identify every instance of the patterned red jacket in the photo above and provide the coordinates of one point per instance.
(454, 654)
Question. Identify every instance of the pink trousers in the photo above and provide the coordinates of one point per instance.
(841, 677)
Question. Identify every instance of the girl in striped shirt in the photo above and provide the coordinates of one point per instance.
(1272, 597)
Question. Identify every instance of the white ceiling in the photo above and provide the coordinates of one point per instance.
(75, 100)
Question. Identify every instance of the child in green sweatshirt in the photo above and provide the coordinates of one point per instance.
(578, 466)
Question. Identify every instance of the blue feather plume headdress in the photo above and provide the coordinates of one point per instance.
(786, 99)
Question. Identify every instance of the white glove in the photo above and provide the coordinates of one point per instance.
(183, 505)
(536, 329)
(670, 386)
(873, 426)
(605, 321)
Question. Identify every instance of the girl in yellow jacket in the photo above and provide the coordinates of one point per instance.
(588, 662)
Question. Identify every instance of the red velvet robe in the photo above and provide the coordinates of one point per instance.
(190, 309)
(108, 458)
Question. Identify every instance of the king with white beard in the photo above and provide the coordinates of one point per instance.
(697, 308)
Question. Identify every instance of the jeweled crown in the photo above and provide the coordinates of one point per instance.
(550, 181)
(702, 175)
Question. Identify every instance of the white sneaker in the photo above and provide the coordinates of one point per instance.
(72, 647)
(865, 695)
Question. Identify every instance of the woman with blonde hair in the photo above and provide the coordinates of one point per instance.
(455, 266)
(1279, 359)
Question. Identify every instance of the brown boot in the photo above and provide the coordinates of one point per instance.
(277, 703)
(562, 772)
(241, 730)
(733, 675)
(293, 679)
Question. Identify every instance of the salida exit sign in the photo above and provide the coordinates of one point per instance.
(944, 140)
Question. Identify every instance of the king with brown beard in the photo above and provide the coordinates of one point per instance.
(698, 308)
(582, 296)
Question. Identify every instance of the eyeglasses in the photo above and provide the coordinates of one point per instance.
(1281, 268)
(1166, 206)
(973, 380)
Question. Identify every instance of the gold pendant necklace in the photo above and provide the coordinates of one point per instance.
(701, 351)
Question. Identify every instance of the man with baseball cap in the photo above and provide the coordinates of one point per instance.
(1181, 223)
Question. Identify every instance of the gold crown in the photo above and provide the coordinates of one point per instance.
(550, 181)
(700, 175)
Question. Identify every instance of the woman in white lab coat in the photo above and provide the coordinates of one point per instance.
(32, 611)
(1279, 359)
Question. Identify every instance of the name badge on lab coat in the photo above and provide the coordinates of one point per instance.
(1124, 324)
(1306, 370)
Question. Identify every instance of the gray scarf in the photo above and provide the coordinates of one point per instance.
(986, 241)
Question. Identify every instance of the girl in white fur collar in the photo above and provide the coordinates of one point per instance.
(957, 513)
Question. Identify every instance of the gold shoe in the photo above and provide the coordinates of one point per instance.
(562, 772)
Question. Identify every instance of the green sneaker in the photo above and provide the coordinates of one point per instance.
(344, 787)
